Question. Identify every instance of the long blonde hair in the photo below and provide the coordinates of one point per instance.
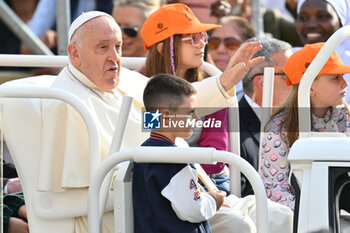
(290, 112)
(159, 62)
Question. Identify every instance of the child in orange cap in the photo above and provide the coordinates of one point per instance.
(176, 40)
(329, 113)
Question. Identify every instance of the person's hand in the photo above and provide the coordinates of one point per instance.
(226, 204)
(14, 185)
(17, 225)
(220, 197)
(239, 64)
(22, 212)
(49, 38)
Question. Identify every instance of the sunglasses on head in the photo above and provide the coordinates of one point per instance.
(130, 31)
(230, 43)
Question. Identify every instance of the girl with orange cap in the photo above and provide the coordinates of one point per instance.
(176, 40)
(329, 113)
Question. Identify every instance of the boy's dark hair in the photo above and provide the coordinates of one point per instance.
(166, 91)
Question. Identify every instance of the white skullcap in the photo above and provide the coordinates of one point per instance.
(83, 18)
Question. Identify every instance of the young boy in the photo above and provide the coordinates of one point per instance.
(166, 197)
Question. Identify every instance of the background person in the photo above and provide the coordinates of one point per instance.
(207, 11)
(132, 40)
(317, 20)
(43, 22)
(14, 214)
(224, 42)
(276, 53)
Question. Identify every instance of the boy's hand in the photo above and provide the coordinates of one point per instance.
(220, 197)
(240, 64)
(226, 204)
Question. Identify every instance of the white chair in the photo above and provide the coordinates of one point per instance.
(21, 126)
(318, 160)
(47, 210)
(123, 201)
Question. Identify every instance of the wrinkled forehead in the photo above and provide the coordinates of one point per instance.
(102, 22)
(101, 28)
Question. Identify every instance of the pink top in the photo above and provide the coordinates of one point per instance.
(217, 138)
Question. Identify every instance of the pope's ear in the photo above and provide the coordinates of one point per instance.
(74, 54)
(160, 48)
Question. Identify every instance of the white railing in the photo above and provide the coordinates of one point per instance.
(67, 97)
(175, 155)
(311, 73)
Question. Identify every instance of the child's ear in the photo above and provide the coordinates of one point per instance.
(160, 48)
(313, 89)
(165, 113)
(312, 92)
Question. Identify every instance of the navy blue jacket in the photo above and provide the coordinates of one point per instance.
(153, 212)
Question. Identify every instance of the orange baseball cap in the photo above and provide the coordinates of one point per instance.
(169, 20)
(300, 60)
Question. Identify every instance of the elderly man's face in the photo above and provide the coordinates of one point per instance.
(98, 56)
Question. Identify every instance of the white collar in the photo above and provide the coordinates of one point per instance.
(89, 84)
(256, 108)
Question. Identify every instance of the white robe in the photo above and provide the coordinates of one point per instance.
(64, 162)
(64, 152)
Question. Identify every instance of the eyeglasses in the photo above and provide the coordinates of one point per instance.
(284, 76)
(196, 38)
(230, 43)
(130, 31)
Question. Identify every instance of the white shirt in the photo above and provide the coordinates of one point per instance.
(256, 108)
